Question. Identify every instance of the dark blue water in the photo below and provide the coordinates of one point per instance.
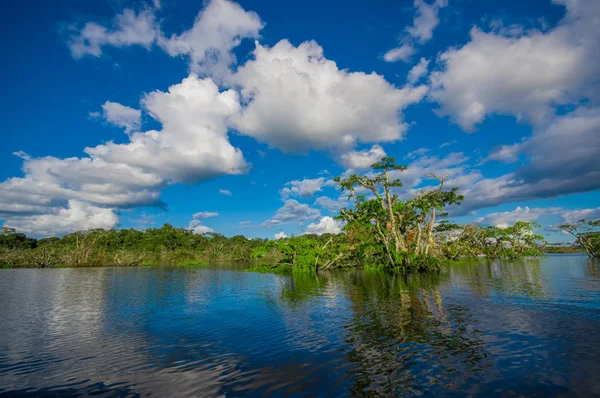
(527, 328)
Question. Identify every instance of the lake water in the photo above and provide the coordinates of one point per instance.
(527, 328)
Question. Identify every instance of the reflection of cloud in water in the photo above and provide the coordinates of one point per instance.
(473, 329)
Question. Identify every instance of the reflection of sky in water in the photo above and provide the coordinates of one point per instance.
(530, 326)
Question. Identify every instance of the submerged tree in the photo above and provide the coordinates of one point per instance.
(390, 230)
(587, 234)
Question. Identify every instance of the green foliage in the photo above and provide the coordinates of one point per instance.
(587, 235)
(382, 231)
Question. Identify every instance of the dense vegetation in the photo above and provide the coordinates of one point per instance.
(381, 230)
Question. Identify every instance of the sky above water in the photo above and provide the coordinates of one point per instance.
(234, 117)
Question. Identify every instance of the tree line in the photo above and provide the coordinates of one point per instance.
(381, 230)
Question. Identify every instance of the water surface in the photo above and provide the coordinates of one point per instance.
(527, 328)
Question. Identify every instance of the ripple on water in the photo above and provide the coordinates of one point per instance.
(489, 329)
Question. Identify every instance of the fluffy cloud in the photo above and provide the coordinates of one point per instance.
(298, 99)
(218, 29)
(302, 188)
(501, 73)
(505, 219)
(122, 116)
(425, 21)
(75, 217)
(198, 228)
(402, 53)
(581, 214)
(561, 159)
(326, 225)
(418, 71)
(361, 160)
(280, 235)
(196, 225)
(129, 28)
(193, 143)
(292, 211)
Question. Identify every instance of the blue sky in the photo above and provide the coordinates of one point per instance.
(235, 116)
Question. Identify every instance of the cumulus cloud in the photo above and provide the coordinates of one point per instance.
(561, 158)
(523, 74)
(507, 218)
(193, 143)
(128, 28)
(217, 30)
(122, 116)
(198, 228)
(292, 211)
(572, 216)
(302, 188)
(196, 225)
(280, 235)
(425, 21)
(208, 44)
(326, 225)
(300, 100)
(76, 216)
(361, 160)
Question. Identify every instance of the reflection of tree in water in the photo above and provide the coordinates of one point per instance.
(521, 277)
(593, 267)
(405, 340)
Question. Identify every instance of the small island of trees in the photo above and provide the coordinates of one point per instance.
(382, 230)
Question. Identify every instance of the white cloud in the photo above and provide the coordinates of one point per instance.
(122, 116)
(129, 28)
(292, 211)
(581, 214)
(225, 192)
(416, 153)
(204, 214)
(505, 153)
(280, 235)
(299, 100)
(426, 19)
(326, 225)
(361, 160)
(505, 219)
(332, 205)
(526, 75)
(218, 28)
(302, 188)
(418, 71)
(402, 53)
(193, 143)
(76, 216)
(448, 143)
(198, 228)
